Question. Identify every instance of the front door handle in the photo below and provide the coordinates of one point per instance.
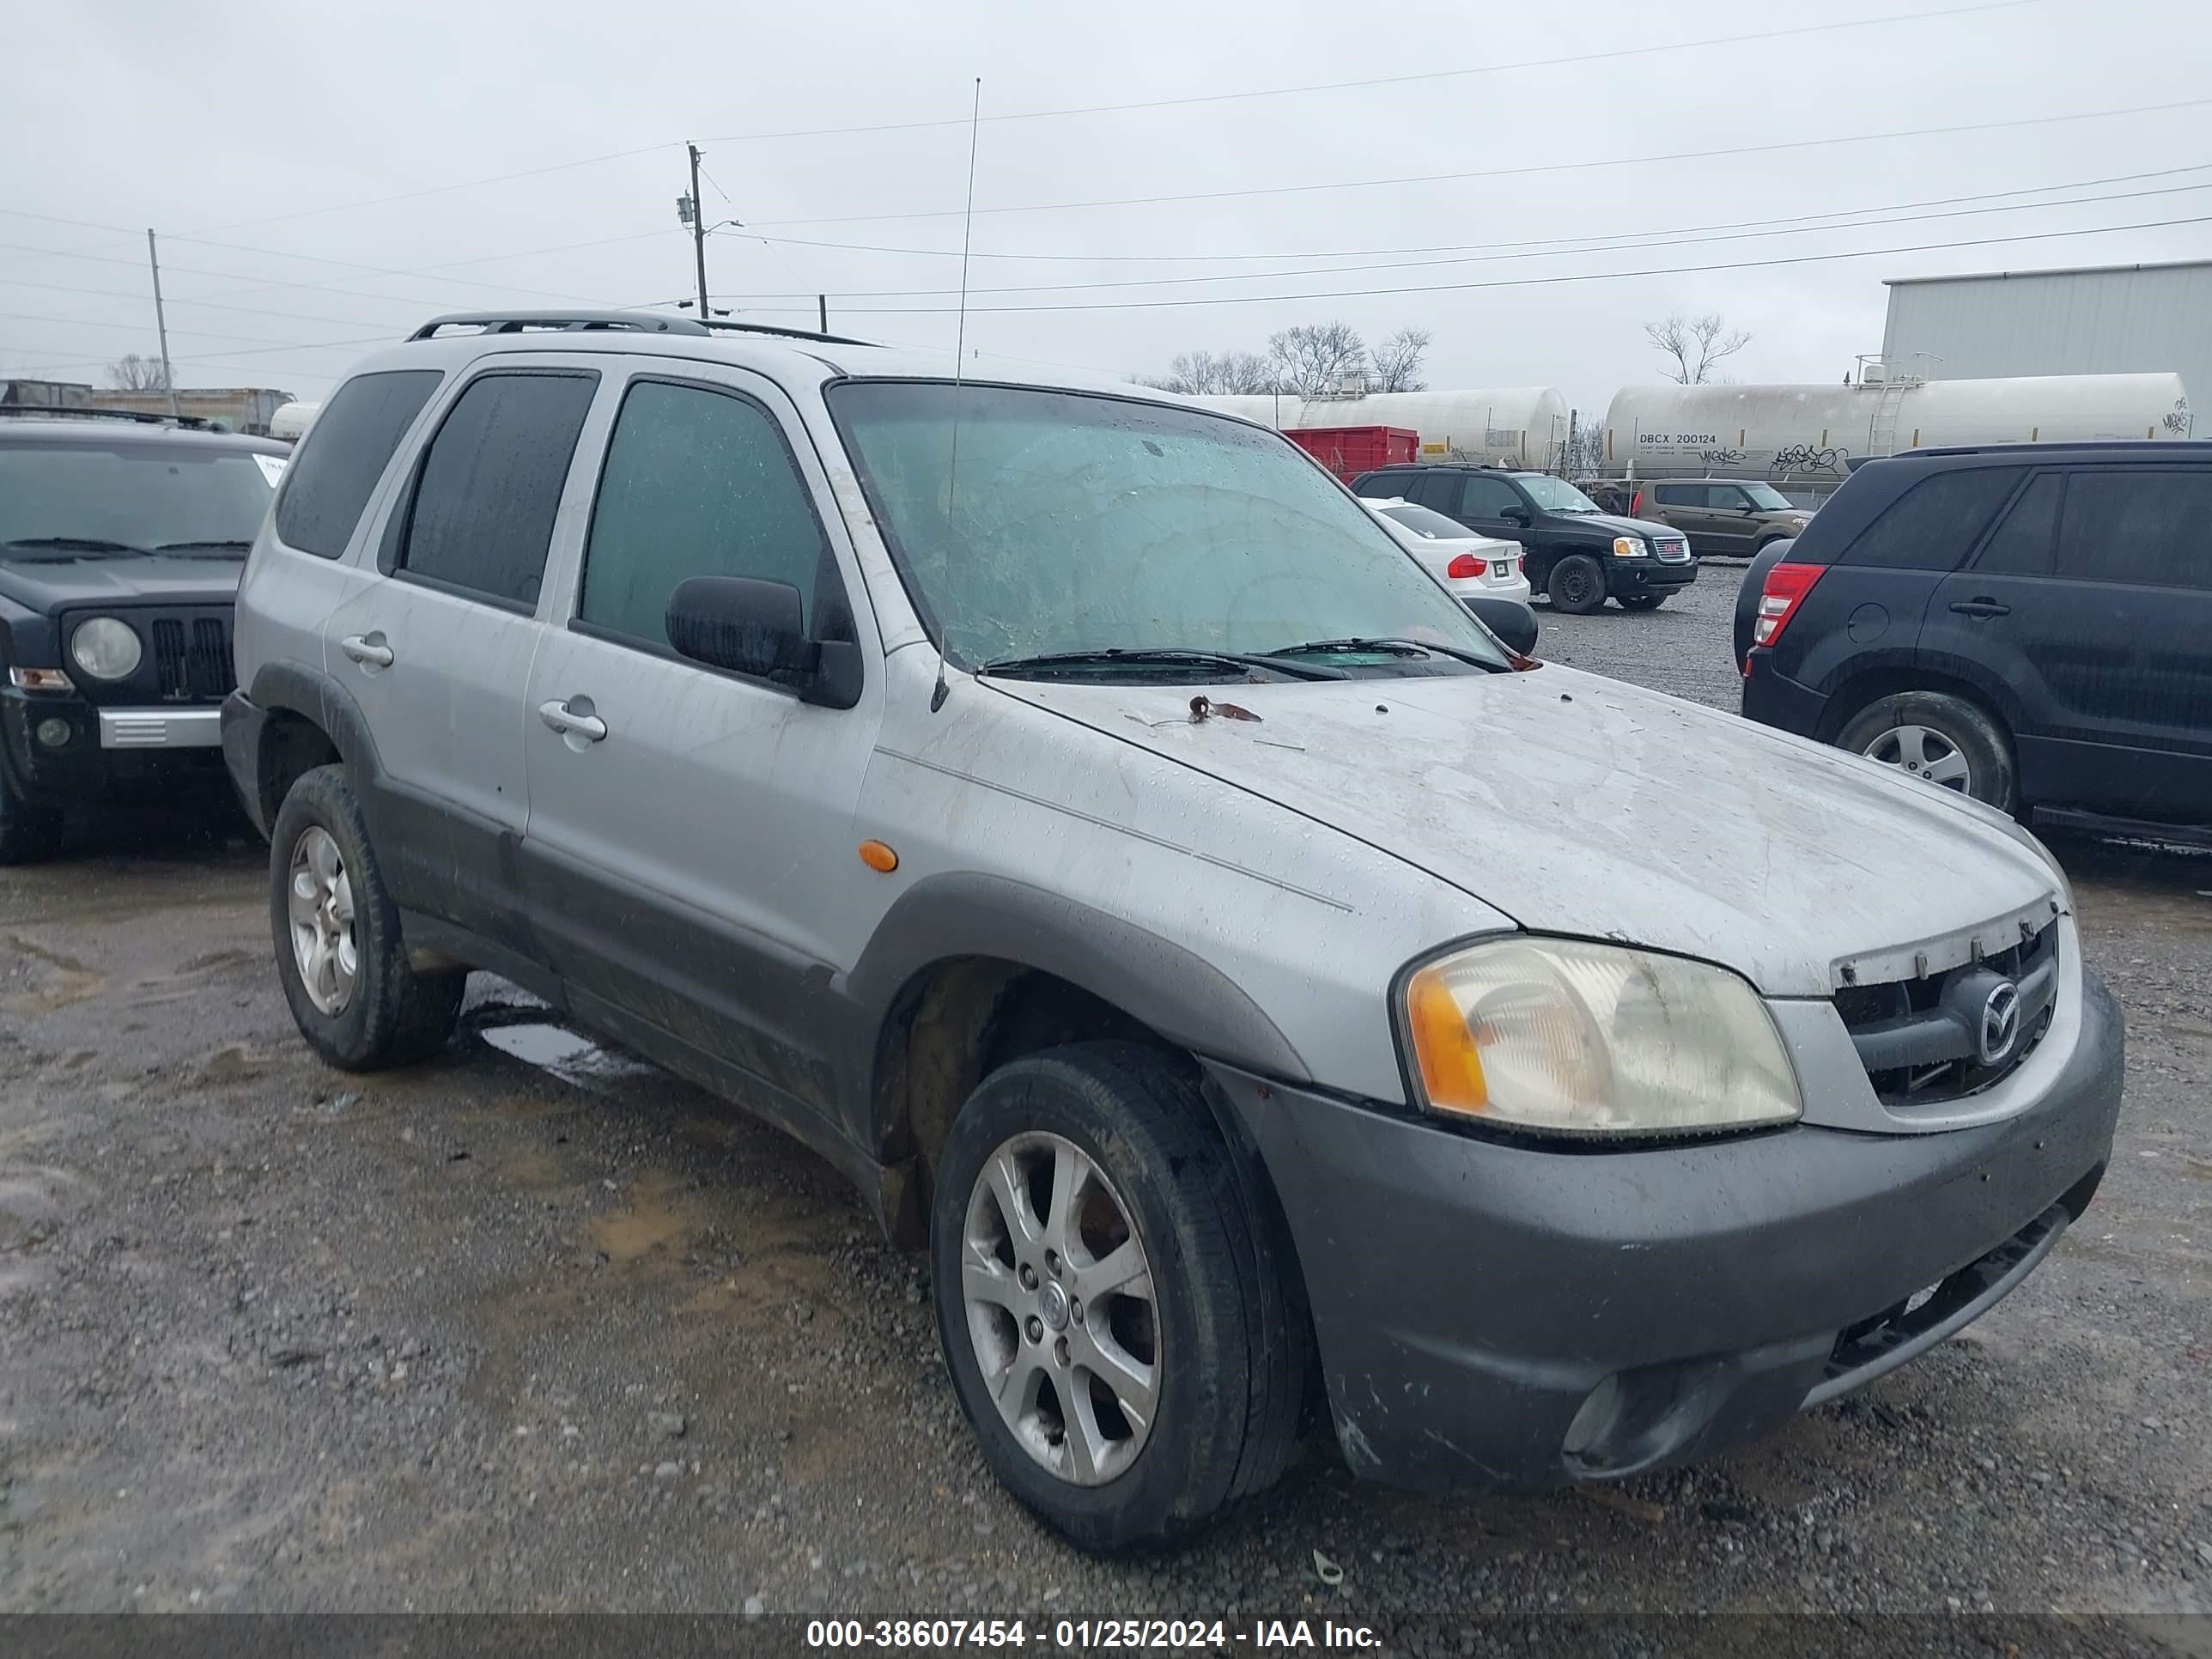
(367, 649)
(1982, 607)
(572, 722)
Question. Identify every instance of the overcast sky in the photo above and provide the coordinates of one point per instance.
(258, 140)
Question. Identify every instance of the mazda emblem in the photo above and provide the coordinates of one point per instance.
(2000, 1023)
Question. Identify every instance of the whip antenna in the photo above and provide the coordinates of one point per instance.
(959, 373)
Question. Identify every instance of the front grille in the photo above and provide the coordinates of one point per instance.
(1672, 549)
(191, 662)
(1940, 1036)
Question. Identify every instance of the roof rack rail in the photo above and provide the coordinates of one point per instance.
(785, 333)
(530, 322)
(86, 412)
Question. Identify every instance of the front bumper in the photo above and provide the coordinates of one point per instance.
(1495, 1313)
(109, 755)
(1650, 576)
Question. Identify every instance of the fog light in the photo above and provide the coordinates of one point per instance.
(54, 732)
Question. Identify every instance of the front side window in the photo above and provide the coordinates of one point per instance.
(696, 484)
(82, 501)
(1488, 498)
(1765, 497)
(332, 478)
(1932, 524)
(2149, 525)
(1075, 523)
(490, 485)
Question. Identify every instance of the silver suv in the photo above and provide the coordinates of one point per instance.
(1070, 813)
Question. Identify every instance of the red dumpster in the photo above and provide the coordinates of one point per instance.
(1349, 451)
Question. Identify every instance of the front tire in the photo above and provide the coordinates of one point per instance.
(1940, 738)
(1124, 1338)
(1577, 584)
(339, 954)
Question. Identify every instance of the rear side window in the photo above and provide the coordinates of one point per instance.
(2022, 545)
(1932, 524)
(490, 485)
(2149, 525)
(697, 483)
(344, 453)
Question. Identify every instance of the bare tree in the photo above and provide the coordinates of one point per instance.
(1397, 361)
(1695, 345)
(1315, 358)
(138, 373)
(1198, 373)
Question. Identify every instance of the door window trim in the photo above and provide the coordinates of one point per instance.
(400, 524)
(830, 597)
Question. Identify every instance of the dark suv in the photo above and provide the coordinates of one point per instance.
(121, 540)
(1577, 553)
(2031, 624)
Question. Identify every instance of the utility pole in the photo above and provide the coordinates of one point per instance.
(821, 301)
(162, 322)
(698, 230)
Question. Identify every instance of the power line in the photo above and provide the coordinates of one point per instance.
(1575, 60)
(1538, 282)
(1481, 248)
(1657, 240)
(1732, 150)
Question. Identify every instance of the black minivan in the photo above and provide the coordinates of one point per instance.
(2031, 624)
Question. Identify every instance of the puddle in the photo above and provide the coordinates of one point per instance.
(569, 1055)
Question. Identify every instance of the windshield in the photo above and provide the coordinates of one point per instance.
(1434, 525)
(1080, 524)
(1557, 495)
(1767, 497)
(140, 496)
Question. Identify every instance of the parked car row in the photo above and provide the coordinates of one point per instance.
(1128, 857)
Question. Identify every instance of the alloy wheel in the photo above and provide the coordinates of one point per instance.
(1924, 752)
(1061, 1307)
(322, 921)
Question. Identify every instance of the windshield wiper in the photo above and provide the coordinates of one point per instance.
(1170, 658)
(1389, 647)
(220, 547)
(75, 545)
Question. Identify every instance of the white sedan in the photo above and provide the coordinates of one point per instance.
(1472, 565)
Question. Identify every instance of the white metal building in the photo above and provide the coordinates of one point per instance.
(2093, 320)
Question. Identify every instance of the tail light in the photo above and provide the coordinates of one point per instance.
(1785, 589)
(1465, 565)
(1635, 505)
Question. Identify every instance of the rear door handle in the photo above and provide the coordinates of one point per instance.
(572, 722)
(1981, 608)
(367, 649)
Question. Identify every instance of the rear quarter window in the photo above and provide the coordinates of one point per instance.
(1936, 522)
(332, 478)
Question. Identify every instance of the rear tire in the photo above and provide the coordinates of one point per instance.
(1941, 738)
(1642, 601)
(334, 919)
(1577, 584)
(1219, 1335)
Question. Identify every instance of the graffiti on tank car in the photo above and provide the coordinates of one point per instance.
(2177, 420)
(1804, 457)
(1721, 457)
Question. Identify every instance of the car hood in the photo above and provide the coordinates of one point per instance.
(1580, 805)
(1615, 524)
(51, 581)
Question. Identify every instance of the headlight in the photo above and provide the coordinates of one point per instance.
(1628, 547)
(105, 649)
(1562, 1037)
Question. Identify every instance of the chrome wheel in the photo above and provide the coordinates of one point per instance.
(1061, 1309)
(1924, 752)
(321, 898)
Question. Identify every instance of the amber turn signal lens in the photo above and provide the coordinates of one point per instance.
(879, 857)
(1451, 1066)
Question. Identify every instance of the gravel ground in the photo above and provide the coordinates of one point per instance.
(488, 1336)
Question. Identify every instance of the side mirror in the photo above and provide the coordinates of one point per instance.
(1514, 622)
(753, 627)
(1518, 515)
